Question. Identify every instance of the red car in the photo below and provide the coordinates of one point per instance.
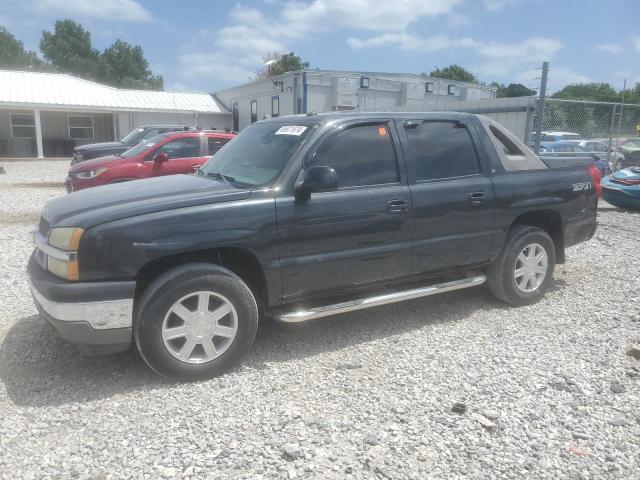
(166, 154)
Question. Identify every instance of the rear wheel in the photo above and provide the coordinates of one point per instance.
(524, 271)
(195, 322)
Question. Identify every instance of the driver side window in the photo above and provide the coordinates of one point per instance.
(361, 155)
(181, 148)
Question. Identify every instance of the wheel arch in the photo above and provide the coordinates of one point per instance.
(548, 220)
(241, 261)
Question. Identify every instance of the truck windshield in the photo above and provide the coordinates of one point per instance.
(258, 154)
(132, 137)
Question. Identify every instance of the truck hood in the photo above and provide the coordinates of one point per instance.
(93, 206)
(99, 146)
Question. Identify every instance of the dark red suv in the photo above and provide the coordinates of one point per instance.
(166, 154)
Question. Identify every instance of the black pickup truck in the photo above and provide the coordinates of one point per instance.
(302, 217)
(131, 139)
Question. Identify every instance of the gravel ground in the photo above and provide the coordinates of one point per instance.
(547, 390)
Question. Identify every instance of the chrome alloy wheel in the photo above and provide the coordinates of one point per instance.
(531, 267)
(199, 327)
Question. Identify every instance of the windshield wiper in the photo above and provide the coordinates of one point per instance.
(225, 178)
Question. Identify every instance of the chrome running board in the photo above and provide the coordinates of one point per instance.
(326, 310)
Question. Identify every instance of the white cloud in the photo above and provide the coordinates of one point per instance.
(129, 10)
(497, 5)
(636, 42)
(362, 14)
(558, 78)
(214, 66)
(456, 20)
(407, 41)
(609, 48)
(501, 58)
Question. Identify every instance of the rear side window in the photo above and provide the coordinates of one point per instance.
(216, 144)
(361, 156)
(442, 150)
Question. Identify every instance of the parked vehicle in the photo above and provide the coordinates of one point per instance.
(134, 137)
(602, 151)
(565, 146)
(165, 154)
(622, 188)
(630, 148)
(574, 150)
(302, 217)
(559, 136)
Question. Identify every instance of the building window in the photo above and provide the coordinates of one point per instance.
(23, 125)
(428, 87)
(275, 106)
(254, 111)
(81, 127)
(452, 89)
(364, 82)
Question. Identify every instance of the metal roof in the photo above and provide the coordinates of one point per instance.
(60, 91)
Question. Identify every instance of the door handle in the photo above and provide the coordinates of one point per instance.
(477, 197)
(397, 206)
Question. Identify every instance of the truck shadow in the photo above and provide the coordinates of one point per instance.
(39, 369)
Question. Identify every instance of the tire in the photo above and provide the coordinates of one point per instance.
(501, 274)
(218, 319)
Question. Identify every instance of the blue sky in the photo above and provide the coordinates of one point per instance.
(209, 45)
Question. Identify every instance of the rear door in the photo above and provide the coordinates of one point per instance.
(453, 198)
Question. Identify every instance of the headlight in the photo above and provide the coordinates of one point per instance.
(91, 173)
(65, 238)
(63, 269)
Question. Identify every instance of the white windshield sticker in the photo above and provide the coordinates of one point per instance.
(296, 130)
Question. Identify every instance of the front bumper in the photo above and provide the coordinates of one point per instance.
(97, 316)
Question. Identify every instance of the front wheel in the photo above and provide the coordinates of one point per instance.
(195, 322)
(524, 271)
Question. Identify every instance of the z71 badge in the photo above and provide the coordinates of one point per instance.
(577, 187)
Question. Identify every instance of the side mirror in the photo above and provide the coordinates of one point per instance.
(161, 158)
(317, 179)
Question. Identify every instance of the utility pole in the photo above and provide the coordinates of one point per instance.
(540, 113)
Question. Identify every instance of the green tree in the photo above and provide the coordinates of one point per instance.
(454, 72)
(512, 90)
(123, 65)
(69, 49)
(599, 92)
(289, 62)
(13, 54)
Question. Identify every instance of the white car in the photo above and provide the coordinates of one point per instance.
(559, 136)
(602, 150)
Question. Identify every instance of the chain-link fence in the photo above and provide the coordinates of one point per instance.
(608, 130)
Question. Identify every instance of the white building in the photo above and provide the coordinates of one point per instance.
(47, 114)
(327, 90)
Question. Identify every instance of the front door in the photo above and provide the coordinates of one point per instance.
(357, 235)
(183, 154)
(453, 199)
